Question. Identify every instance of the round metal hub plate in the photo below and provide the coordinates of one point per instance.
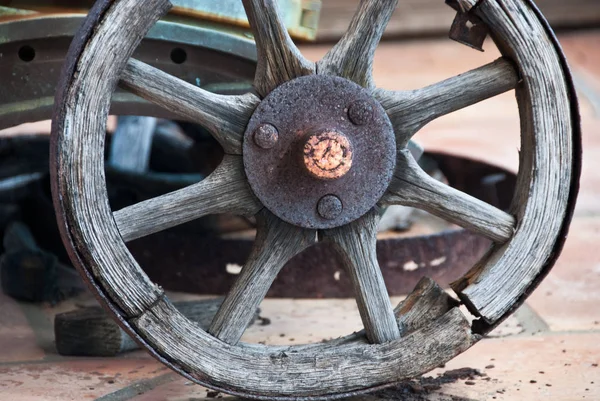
(347, 132)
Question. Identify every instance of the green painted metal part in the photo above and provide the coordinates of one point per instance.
(301, 16)
(214, 36)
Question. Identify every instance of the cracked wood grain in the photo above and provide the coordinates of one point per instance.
(411, 186)
(426, 303)
(278, 58)
(298, 372)
(225, 116)
(226, 190)
(352, 57)
(356, 243)
(409, 111)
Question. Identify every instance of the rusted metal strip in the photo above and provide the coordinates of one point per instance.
(211, 265)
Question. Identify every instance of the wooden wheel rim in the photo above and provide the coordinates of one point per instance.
(96, 247)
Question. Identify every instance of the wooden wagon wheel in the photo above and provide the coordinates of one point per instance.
(312, 155)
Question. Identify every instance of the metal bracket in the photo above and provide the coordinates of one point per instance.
(467, 28)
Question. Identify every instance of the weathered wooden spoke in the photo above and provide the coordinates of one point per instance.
(276, 243)
(224, 191)
(279, 60)
(410, 111)
(224, 116)
(411, 186)
(352, 56)
(356, 244)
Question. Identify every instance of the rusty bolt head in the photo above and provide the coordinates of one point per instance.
(330, 207)
(360, 112)
(328, 155)
(266, 136)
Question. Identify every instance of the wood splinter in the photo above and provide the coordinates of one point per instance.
(426, 303)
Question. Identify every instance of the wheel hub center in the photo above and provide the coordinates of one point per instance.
(319, 151)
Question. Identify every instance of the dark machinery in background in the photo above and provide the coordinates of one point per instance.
(208, 44)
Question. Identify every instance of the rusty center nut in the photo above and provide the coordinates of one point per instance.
(328, 155)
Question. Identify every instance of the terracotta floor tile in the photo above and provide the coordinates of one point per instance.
(589, 193)
(568, 298)
(305, 321)
(17, 339)
(76, 379)
(550, 367)
(180, 389)
(581, 49)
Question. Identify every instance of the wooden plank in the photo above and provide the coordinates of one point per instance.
(425, 304)
(82, 109)
(294, 372)
(409, 111)
(276, 243)
(224, 116)
(433, 17)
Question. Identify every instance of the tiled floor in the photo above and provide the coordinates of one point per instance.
(549, 350)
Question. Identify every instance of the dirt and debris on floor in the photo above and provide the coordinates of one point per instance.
(423, 388)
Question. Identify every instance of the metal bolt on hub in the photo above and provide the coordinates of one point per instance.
(330, 207)
(360, 112)
(266, 136)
